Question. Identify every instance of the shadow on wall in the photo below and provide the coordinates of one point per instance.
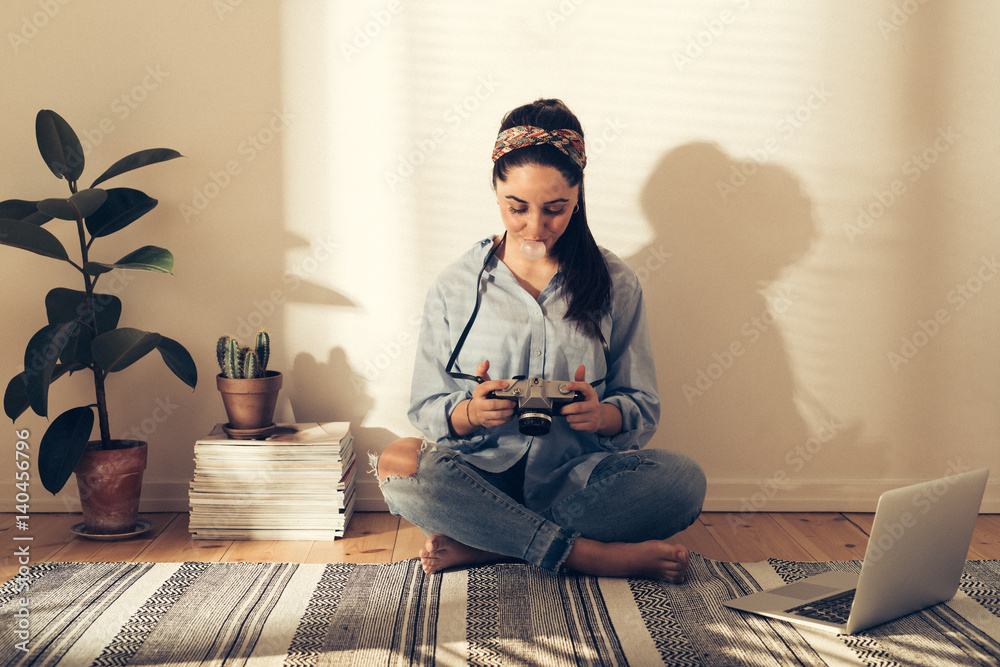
(333, 391)
(330, 390)
(724, 233)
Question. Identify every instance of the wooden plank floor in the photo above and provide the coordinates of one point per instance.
(375, 537)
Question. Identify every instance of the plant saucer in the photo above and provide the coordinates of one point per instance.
(248, 433)
(141, 526)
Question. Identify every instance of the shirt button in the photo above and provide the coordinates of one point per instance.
(538, 353)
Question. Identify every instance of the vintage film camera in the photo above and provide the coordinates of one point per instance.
(537, 400)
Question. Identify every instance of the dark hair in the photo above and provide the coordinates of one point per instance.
(585, 273)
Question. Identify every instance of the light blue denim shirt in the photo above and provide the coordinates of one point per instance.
(520, 335)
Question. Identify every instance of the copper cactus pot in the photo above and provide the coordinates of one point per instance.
(250, 402)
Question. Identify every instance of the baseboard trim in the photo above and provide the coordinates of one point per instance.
(747, 497)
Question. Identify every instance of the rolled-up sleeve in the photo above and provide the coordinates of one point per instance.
(631, 382)
(434, 394)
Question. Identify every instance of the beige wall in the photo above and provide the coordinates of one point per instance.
(807, 190)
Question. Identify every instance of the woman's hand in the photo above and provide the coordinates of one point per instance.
(485, 411)
(481, 411)
(590, 414)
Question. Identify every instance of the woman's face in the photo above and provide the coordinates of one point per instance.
(536, 204)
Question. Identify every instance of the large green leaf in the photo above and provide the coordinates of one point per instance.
(107, 312)
(19, 209)
(123, 207)
(15, 399)
(40, 359)
(179, 360)
(146, 258)
(77, 348)
(60, 147)
(137, 160)
(96, 269)
(117, 350)
(61, 209)
(62, 305)
(31, 237)
(63, 445)
(80, 205)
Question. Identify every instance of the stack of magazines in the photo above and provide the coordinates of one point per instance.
(297, 484)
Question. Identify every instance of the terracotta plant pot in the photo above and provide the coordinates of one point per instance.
(250, 403)
(110, 482)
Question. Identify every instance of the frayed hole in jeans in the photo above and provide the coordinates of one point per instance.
(373, 460)
(373, 467)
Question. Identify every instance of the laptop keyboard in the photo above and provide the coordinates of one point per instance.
(834, 609)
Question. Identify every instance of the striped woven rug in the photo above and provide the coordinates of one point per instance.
(507, 614)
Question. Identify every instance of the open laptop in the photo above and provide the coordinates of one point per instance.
(915, 556)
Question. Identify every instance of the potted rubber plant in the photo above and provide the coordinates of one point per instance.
(82, 333)
(249, 390)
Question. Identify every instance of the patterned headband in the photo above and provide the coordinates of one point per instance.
(568, 141)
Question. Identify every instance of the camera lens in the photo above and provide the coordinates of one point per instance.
(535, 422)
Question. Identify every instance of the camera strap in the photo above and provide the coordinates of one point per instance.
(472, 319)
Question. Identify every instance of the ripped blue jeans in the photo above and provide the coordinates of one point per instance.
(631, 496)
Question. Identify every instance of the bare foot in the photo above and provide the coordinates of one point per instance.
(655, 559)
(441, 552)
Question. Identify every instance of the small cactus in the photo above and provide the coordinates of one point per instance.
(227, 350)
(241, 355)
(262, 346)
(220, 352)
(251, 367)
(243, 362)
